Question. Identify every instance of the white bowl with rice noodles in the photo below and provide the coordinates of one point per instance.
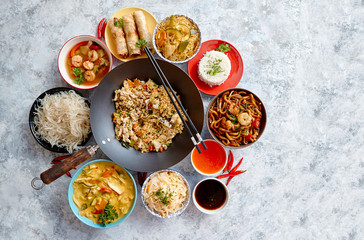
(165, 193)
(236, 118)
(59, 120)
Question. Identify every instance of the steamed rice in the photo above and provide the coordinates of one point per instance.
(214, 68)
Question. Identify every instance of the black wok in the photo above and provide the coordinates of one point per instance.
(102, 126)
(102, 108)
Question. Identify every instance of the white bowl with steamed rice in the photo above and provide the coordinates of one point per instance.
(214, 68)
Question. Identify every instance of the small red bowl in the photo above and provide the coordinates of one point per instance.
(236, 73)
(63, 55)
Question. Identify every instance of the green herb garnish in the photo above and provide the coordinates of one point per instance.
(77, 71)
(108, 215)
(215, 67)
(233, 117)
(141, 43)
(79, 76)
(163, 197)
(223, 48)
(118, 22)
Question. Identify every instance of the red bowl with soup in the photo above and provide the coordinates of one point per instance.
(83, 61)
(211, 161)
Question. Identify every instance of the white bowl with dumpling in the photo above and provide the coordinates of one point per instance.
(83, 61)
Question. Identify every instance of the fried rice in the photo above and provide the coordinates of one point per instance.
(145, 117)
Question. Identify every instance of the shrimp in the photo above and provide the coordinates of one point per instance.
(234, 109)
(227, 124)
(89, 76)
(88, 65)
(77, 61)
(92, 55)
(244, 118)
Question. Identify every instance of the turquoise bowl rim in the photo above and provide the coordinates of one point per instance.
(75, 209)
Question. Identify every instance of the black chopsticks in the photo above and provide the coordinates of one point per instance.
(168, 86)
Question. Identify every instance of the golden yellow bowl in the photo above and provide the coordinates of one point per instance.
(151, 23)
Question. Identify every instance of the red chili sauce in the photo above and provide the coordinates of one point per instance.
(210, 194)
(209, 161)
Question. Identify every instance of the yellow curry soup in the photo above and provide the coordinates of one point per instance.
(103, 192)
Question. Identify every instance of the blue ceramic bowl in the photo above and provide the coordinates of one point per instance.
(75, 209)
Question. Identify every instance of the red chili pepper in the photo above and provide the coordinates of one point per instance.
(231, 162)
(140, 178)
(229, 179)
(248, 137)
(257, 122)
(97, 211)
(99, 28)
(76, 47)
(103, 29)
(228, 161)
(108, 173)
(230, 174)
(237, 165)
(59, 159)
(108, 190)
(94, 47)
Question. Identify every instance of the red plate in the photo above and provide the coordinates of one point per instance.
(236, 71)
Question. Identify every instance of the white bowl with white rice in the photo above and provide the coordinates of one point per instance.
(214, 68)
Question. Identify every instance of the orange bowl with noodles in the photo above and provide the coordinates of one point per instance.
(236, 118)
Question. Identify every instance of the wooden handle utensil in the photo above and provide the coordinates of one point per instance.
(67, 164)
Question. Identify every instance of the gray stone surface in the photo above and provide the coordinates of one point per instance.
(305, 176)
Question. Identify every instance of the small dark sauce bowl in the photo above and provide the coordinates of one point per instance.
(210, 195)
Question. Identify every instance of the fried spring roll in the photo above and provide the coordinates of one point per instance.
(119, 38)
(142, 28)
(131, 35)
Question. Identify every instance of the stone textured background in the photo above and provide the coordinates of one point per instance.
(305, 177)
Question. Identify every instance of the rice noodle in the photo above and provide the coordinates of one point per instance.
(63, 120)
(165, 192)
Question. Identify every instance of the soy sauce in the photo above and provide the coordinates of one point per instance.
(210, 194)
